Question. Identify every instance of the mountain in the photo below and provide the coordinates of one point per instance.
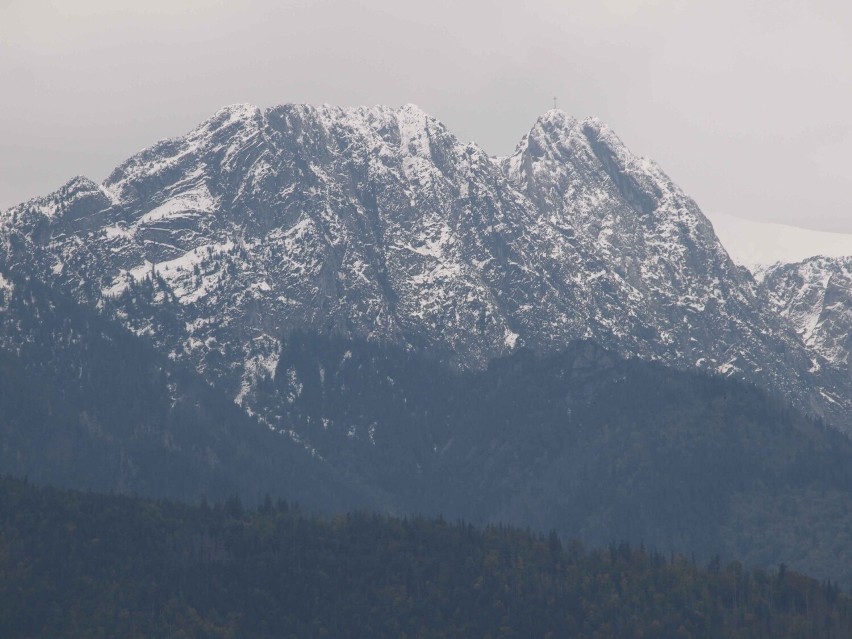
(815, 296)
(352, 308)
(805, 278)
(653, 272)
(378, 223)
(404, 309)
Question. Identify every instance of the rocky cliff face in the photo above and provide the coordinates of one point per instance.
(815, 297)
(653, 272)
(378, 223)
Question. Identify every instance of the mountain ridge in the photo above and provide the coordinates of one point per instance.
(379, 223)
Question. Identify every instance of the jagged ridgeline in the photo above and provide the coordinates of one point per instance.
(379, 223)
(396, 316)
(79, 565)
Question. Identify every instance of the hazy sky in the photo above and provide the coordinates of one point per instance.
(746, 104)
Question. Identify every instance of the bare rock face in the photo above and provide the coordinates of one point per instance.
(815, 297)
(378, 223)
(657, 282)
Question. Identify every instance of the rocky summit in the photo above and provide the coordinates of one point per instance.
(379, 224)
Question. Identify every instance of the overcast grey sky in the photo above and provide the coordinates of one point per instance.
(745, 103)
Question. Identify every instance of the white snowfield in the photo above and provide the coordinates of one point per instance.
(757, 245)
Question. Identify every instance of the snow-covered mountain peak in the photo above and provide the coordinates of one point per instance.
(377, 222)
(550, 136)
(415, 129)
(574, 165)
(555, 118)
(563, 140)
(76, 184)
(231, 113)
(415, 111)
(317, 129)
(556, 133)
(228, 120)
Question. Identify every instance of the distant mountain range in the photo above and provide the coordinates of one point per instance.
(352, 308)
(378, 223)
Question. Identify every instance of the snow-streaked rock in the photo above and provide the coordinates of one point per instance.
(379, 223)
(815, 296)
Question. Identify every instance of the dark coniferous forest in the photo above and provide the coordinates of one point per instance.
(82, 565)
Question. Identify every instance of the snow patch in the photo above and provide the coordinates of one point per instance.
(178, 273)
(510, 339)
(6, 289)
(187, 204)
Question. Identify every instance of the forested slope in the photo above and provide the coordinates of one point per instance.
(76, 565)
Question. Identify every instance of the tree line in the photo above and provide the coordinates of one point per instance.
(95, 565)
